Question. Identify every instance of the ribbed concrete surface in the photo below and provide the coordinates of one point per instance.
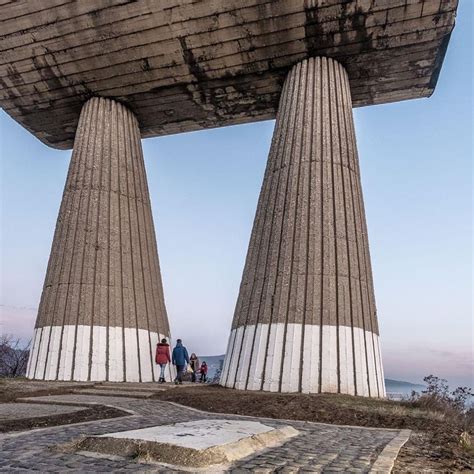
(305, 318)
(102, 309)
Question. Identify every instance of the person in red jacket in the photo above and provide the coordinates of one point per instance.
(203, 371)
(162, 357)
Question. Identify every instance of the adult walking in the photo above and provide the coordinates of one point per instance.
(180, 360)
(194, 363)
(162, 357)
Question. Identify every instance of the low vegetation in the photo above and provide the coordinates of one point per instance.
(13, 356)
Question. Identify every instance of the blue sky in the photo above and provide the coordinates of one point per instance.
(416, 164)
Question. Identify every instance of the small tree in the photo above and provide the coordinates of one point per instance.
(13, 356)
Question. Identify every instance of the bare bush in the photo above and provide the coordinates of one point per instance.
(13, 356)
(454, 405)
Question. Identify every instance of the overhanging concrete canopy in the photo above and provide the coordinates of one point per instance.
(183, 65)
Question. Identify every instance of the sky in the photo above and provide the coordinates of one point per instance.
(416, 165)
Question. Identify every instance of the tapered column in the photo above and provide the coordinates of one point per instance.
(305, 319)
(102, 309)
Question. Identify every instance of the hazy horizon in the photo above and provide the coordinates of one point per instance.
(416, 167)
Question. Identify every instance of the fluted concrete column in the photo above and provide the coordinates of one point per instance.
(305, 319)
(102, 309)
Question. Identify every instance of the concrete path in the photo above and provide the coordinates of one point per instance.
(319, 447)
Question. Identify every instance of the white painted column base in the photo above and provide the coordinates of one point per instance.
(255, 360)
(95, 353)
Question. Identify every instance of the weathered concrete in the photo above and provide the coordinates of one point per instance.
(183, 65)
(102, 309)
(194, 443)
(305, 318)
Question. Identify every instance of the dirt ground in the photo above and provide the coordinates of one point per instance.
(434, 444)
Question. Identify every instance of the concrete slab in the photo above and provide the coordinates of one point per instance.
(194, 444)
(200, 434)
(186, 65)
(20, 411)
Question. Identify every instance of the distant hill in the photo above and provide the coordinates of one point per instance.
(395, 388)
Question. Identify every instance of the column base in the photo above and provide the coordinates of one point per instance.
(319, 370)
(117, 354)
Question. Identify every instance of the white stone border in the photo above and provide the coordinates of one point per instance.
(65, 353)
(255, 359)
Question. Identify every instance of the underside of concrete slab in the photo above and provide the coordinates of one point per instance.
(182, 65)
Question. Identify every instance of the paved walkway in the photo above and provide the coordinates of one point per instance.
(319, 448)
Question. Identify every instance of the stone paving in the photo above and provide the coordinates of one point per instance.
(16, 411)
(319, 447)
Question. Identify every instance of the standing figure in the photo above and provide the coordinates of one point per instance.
(194, 363)
(162, 358)
(180, 360)
(203, 371)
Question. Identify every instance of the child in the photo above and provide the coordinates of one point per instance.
(203, 371)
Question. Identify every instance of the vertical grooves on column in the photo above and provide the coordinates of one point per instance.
(128, 159)
(81, 163)
(291, 93)
(74, 263)
(368, 273)
(342, 99)
(140, 197)
(121, 152)
(88, 189)
(63, 225)
(322, 83)
(357, 227)
(310, 85)
(157, 286)
(109, 247)
(370, 286)
(259, 230)
(332, 99)
(257, 235)
(302, 79)
(101, 106)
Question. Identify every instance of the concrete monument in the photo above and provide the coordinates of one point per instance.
(100, 76)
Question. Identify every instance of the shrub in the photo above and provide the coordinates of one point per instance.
(455, 406)
(13, 356)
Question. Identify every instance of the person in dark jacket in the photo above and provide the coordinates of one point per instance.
(162, 358)
(203, 371)
(180, 360)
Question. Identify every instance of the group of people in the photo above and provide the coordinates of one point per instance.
(181, 360)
